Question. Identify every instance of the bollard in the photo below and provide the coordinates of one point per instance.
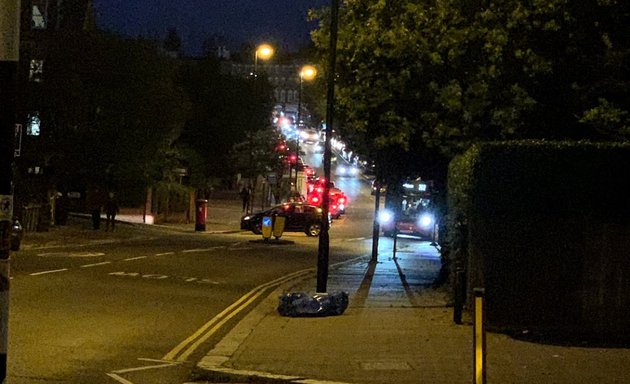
(278, 226)
(479, 338)
(267, 227)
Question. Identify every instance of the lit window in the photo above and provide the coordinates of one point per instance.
(38, 17)
(36, 70)
(34, 123)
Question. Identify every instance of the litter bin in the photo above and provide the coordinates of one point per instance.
(201, 206)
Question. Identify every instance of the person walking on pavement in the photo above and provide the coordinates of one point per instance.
(111, 209)
(94, 203)
(245, 197)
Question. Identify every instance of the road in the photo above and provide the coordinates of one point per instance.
(99, 314)
(145, 310)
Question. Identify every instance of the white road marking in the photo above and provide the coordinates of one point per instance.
(202, 249)
(165, 253)
(154, 276)
(144, 368)
(96, 264)
(240, 248)
(135, 258)
(118, 378)
(45, 272)
(71, 254)
(132, 274)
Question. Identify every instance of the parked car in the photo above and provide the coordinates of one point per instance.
(300, 217)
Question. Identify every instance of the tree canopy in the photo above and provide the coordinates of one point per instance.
(108, 105)
(420, 80)
(226, 110)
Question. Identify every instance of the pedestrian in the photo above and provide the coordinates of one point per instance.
(94, 204)
(245, 197)
(111, 209)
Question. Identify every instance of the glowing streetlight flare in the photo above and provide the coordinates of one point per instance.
(308, 72)
(264, 51)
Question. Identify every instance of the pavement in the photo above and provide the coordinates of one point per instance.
(397, 328)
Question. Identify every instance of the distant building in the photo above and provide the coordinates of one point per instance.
(284, 78)
(40, 20)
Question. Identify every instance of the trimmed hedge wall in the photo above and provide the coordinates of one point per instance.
(548, 233)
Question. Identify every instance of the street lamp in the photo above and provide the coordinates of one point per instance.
(264, 52)
(308, 73)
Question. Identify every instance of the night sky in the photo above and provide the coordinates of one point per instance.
(239, 21)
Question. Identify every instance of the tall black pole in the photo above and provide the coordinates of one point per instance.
(297, 129)
(9, 56)
(376, 227)
(324, 240)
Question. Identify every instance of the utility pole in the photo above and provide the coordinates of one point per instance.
(324, 240)
(9, 56)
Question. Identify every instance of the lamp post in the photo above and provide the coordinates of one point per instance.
(264, 52)
(308, 73)
(323, 249)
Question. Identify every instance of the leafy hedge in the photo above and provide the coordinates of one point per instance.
(544, 226)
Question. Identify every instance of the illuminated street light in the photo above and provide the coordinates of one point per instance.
(264, 52)
(307, 73)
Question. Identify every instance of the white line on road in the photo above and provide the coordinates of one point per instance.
(118, 378)
(144, 368)
(165, 253)
(45, 272)
(96, 264)
(136, 258)
(356, 239)
(202, 249)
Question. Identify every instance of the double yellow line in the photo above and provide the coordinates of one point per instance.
(188, 346)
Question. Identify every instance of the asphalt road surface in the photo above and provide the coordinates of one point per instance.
(146, 310)
(141, 310)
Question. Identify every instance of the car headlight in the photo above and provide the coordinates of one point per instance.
(426, 220)
(385, 217)
(246, 218)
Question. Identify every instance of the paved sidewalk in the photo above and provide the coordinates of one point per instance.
(396, 330)
(223, 217)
